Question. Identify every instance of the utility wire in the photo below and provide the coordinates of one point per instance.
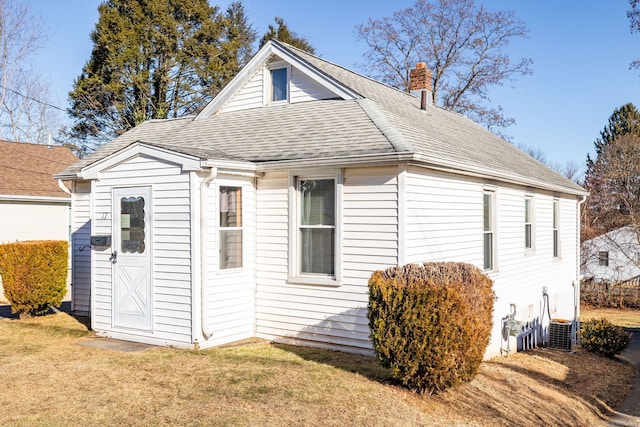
(33, 99)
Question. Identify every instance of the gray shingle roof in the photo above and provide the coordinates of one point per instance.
(384, 121)
(442, 135)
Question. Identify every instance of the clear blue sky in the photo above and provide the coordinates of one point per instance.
(581, 52)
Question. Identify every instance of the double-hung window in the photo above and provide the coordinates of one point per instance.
(528, 223)
(230, 235)
(556, 228)
(489, 230)
(316, 226)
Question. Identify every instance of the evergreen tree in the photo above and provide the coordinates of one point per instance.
(285, 35)
(155, 59)
(612, 178)
(623, 121)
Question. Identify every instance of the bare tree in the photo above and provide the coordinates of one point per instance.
(614, 185)
(462, 43)
(26, 113)
(535, 152)
(570, 170)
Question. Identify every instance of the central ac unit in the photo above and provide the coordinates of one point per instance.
(560, 334)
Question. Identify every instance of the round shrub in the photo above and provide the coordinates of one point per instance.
(34, 274)
(602, 337)
(431, 324)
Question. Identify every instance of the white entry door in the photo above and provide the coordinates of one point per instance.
(131, 258)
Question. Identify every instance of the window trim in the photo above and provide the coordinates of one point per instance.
(268, 83)
(529, 206)
(220, 228)
(294, 274)
(492, 231)
(555, 225)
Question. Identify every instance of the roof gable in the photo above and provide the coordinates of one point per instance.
(186, 161)
(261, 60)
(26, 170)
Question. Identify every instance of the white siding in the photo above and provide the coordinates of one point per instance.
(445, 223)
(325, 315)
(171, 243)
(623, 251)
(20, 221)
(301, 89)
(81, 250)
(231, 293)
(250, 96)
(304, 88)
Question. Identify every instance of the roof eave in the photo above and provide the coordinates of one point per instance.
(27, 198)
(432, 162)
(336, 161)
(68, 176)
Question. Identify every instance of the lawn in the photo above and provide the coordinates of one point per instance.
(49, 379)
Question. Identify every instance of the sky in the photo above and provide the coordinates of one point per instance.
(581, 52)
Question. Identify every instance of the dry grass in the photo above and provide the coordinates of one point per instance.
(48, 379)
(627, 318)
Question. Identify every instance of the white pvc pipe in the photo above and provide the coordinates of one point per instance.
(203, 249)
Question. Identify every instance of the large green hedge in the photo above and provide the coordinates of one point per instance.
(34, 274)
(431, 324)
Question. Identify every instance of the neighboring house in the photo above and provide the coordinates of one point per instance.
(612, 257)
(33, 205)
(265, 214)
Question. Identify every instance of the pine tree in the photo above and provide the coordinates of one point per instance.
(285, 35)
(612, 178)
(623, 121)
(155, 59)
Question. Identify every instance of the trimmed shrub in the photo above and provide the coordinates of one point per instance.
(431, 324)
(34, 274)
(602, 337)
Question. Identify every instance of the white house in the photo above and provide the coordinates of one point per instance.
(265, 214)
(612, 257)
(33, 206)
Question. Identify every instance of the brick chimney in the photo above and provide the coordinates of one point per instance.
(421, 83)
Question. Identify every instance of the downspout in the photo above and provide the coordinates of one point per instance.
(576, 282)
(213, 172)
(63, 187)
(69, 237)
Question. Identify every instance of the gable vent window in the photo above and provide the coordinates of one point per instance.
(279, 85)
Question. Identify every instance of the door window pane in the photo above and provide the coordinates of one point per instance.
(132, 224)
